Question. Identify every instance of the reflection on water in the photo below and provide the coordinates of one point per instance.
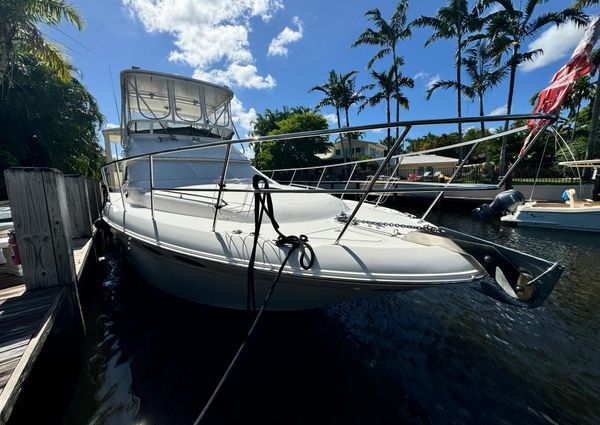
(448, 355)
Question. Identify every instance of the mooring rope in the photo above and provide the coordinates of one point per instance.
(262, 204)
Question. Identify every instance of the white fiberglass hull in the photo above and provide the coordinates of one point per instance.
(557, 216)
(179, 255)
(223, 285)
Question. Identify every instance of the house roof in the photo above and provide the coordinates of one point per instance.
(337, 142)
(428, 160)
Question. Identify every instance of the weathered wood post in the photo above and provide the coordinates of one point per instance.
(40, 213)
(79, 206)
(98, 193)
(93, 198)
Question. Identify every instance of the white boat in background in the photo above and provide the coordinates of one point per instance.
(573, 214)
(183, 200)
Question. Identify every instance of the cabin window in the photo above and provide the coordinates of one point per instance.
(188, 98)
(338, 152)
(218, 116)
(149, 98)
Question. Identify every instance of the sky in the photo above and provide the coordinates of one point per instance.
(271, 52)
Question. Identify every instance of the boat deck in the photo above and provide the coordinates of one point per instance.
(26, 319)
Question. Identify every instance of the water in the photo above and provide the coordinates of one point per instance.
(448, 355)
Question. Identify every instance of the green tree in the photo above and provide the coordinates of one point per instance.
(387, 35)
(453, 21)
(48, 121)
(20, 34)
(595, 114)
(267, 121)
(509, 27)
(388, 84)
(294, 152)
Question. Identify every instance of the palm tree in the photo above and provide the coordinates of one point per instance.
(331, 92)
(20, 35)
(349, 96)
(483, 76)
(582, 91)
(340, 93)
(453, 21)
(387, 35)
(509, 28)
(389, 87)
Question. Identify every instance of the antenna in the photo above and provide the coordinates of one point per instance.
(112, 84)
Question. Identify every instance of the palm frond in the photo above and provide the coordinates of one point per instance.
(567, 15)
(441, 84)
(379, 55)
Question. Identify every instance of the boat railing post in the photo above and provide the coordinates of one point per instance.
(221, 185)
(293, 175)
(120, 185)
(382, 166)
(349, 179)
(527, 149)
(456, 172)
(151, 166)
(321, 178)
(387, 185)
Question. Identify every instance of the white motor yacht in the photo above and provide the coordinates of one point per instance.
(573, 214)
(184, 201)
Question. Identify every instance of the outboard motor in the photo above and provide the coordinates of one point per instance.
(506, 202)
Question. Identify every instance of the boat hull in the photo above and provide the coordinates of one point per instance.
(580, 219)
(223, 285)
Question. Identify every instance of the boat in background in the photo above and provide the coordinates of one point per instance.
(573, 214)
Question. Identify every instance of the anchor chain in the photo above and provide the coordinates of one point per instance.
(342, 217)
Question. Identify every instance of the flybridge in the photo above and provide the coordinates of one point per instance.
(167, 105)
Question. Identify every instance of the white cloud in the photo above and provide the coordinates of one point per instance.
(500, 110)
(241, 75)
(242, 118)
(331, 118)
(556, 42)
(210, 35)
(421, 75)
(433, 80)
(279, 44)
(496, 7)
(111, 125)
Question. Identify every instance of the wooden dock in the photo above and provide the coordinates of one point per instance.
(55, 239)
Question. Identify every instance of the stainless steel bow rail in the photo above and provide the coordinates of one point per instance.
(113, 171)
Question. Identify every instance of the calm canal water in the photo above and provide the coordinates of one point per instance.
(448, 355)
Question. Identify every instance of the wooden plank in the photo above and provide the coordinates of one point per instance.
(40, 214)
(13, 291)
(79, 206)
(81, 251)
(26, 359)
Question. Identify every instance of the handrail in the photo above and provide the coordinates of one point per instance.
(372, 182)
(369, 190)
(408, 154)
(355, 129)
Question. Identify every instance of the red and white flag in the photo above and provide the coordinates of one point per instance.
(552, 98)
